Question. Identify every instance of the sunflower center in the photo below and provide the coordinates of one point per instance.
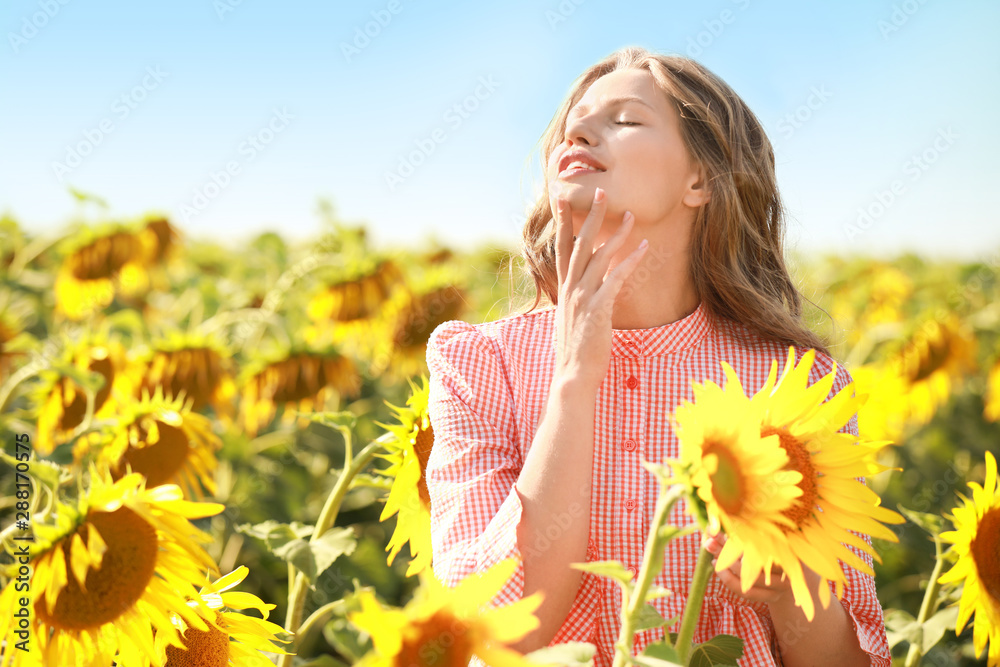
(986, 552)
(440, 641)
(205, 648)
(799, 461)
(422, 444)
(126, 569)
(159, 462)
(76, 410)
(729, 486)
(935, 357)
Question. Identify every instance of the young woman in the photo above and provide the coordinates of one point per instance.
(658, 242)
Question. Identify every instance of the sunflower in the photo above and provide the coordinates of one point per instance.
(109, 572)
(976, 540)
(356, 297)
(62, 402)
(86, 281)
(408, 322)
(447, 626)
(297, 377)
(886, 413)
(937, 354)
(737, 474)
(162, 439)
(199, 366)
(408, 496)
(817, 527)
(992, 409)
(15, 342)
(231, 638)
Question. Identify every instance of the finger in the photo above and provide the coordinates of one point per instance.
(598, 266)
(564, 239)
(613, 283)
(583, 249)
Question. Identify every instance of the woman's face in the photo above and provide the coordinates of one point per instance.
(646, 168)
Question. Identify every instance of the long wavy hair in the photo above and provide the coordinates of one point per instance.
(736, 254)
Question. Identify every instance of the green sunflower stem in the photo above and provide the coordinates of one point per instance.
(297, 582)
(929, 604)
(692, 609)
(633, 603)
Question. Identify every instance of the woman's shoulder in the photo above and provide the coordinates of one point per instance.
(494, 336)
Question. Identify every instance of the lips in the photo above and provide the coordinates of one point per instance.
(577, 155)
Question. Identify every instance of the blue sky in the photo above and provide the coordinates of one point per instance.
(235, 117)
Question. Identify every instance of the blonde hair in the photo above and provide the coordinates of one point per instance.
(736, 255)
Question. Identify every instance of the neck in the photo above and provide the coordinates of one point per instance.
(658, 291)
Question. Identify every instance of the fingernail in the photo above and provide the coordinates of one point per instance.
(643, 244)
(628, 216)
(598, 194)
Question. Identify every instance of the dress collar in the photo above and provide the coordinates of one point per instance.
(665, 339)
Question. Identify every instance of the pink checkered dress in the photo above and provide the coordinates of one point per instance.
(489, 383)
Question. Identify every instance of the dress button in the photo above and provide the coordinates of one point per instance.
(630, 504)
(631, 382)
(629, 445)
(632, 570)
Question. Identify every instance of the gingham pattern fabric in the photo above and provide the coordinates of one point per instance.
(488, 384)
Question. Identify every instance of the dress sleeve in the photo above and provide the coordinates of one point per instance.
(860, 600)
(474, 506)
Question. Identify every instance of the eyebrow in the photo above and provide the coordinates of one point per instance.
(615, 101)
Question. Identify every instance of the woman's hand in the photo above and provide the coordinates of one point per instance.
(730, 577)
(587, 291)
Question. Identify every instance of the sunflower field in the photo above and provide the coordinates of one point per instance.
(214, 455)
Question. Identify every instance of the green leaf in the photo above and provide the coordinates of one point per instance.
(900, 626)
(363, 479)
(323, 661)
(611, 569)
(932, 523)
(657, 654)
(719, 650)
(312, 557)
(338, 420)
(935, 626)
(344, 637)
(654, 592)
(649, 618)
(571, 654)
(274, 533)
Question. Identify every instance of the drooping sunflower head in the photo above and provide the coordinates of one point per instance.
(297, 378)
(59, 397)
(357, 295)
(93, 260)
(732, 467)
(15, 315)
(447, 626)
(159, 240)
(976, 541)
(163, 440)
(196, 366)
(231, 638)
(830, 465)
(937, 355)
(108, 571)
(409, 449)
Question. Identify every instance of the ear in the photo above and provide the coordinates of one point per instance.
(698, 192)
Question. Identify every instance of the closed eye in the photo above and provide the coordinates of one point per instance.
(625, 123)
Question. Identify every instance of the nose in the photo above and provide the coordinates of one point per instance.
(578, 131)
